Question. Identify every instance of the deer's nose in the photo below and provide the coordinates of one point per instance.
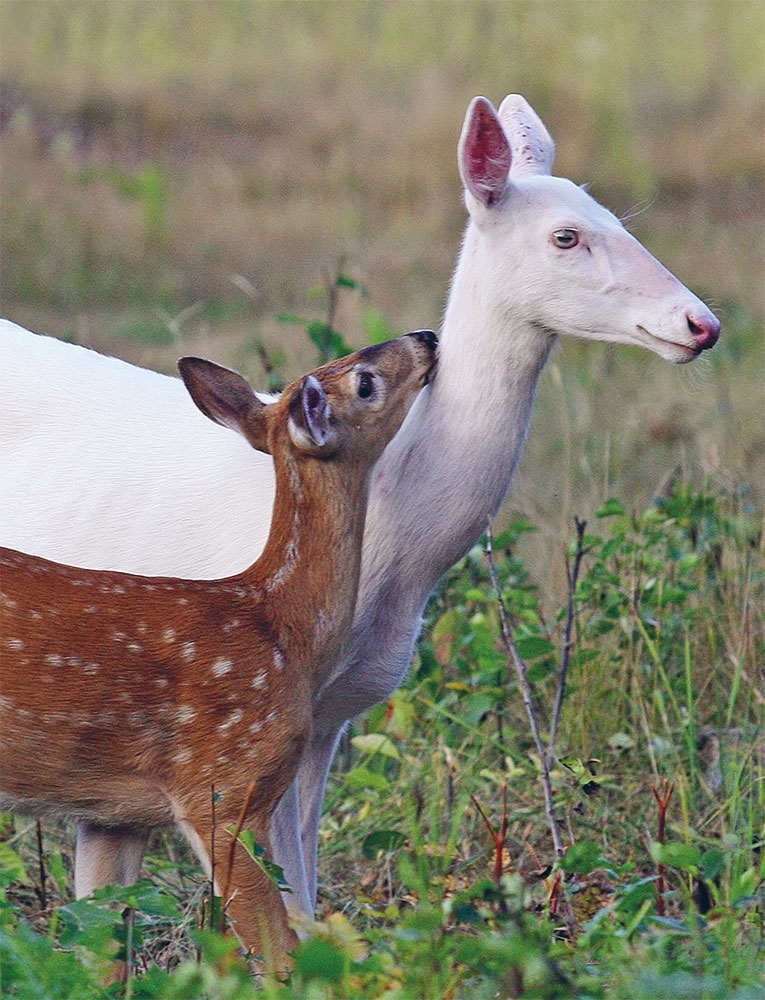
(705, 329)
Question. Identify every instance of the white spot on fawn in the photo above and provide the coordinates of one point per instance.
(259, 680)
(230, 626)
(188, 651)
(54, 660)
(236, 716)
(15, 644)
(185, 714)
(285, 570)
(222, 666)
(278, 659)
(169, 635)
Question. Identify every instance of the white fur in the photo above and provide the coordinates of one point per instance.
(102, 461)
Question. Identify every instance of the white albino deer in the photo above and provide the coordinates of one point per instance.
(540, 258)
(129, 701)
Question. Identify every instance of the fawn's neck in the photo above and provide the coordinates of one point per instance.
(309, 570)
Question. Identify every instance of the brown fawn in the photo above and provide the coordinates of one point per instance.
(133, 702)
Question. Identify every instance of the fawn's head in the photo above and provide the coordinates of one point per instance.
(348, 408)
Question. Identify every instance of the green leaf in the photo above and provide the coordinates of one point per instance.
(373, 743)
(320, 959)
(712, 863)
(531, 647)
(291, 318)
(634, 895)
(362, 777)
(57, 869)
(475, 707)
(11, 865)
(377, 327)
(258, 854)
(381, 840)
(610, 508)
(90, 924)
(582, 858)
(686, 857)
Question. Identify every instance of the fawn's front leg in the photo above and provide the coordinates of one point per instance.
(252, 903)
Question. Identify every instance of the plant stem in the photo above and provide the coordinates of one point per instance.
(41, 892)
(520, 669)
(662, 798)
(572, 575)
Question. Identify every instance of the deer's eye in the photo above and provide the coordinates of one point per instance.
(366, 386)
(565, 239)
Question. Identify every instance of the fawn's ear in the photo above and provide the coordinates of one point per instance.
(310, 415)
(226, 398)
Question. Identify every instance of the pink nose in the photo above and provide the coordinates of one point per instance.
(704, 329)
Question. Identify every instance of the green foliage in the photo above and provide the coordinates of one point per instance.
(329, 343)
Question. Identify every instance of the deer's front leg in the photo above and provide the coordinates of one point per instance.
(252, 903)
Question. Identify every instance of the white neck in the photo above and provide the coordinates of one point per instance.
(450, 466)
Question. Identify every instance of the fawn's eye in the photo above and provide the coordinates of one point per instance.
(565, 238)
(366, 385)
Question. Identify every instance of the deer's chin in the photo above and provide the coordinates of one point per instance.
(669, 350)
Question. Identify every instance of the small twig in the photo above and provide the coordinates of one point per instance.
(498, 836)
(572, 575)
(272, 373)
(42, 894)
(523, 680)
(662, 797)
(332, 286)
(129, 920)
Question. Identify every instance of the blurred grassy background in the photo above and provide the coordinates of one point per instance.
(174, 174)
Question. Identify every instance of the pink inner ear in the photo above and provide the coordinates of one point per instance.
(486, 155)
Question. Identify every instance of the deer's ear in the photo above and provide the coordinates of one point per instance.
(483, 154)
(226, 398)
(532, 147)
(310, 415)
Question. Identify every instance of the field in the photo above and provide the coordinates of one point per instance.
(178, 175)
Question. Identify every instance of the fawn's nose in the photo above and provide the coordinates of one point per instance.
(705, 329)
